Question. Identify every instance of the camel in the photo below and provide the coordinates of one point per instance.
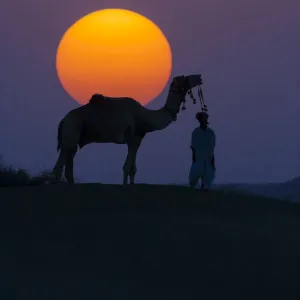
(117, 120)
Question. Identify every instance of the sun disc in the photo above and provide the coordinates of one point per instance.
(115, 52)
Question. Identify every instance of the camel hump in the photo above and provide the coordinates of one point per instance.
(97, 99)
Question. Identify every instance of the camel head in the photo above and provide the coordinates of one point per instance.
(181, 85)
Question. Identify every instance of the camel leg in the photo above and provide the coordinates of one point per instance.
(59, 166)
(129, 168)
(132, 172)
(69, 166)
(69, 132)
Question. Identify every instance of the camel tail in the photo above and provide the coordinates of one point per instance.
(60, 125)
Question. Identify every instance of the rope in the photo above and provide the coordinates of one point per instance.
(203, 105)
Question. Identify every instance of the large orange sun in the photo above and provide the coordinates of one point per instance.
(114, 52)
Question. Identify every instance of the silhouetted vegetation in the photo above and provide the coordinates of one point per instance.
(10, 176)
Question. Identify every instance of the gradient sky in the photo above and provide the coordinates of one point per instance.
(247, 50)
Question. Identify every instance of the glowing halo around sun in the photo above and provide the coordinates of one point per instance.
(114, 52)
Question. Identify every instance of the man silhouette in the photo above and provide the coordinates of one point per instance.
(203, 146)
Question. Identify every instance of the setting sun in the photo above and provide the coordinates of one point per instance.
(115, 52)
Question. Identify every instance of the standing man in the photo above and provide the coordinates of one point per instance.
(203, 147)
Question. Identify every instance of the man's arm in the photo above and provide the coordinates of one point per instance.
(213, 161)
(214, 139)
(213, 156)
(192, 147)
(193, 155)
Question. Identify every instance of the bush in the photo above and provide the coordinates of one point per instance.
(10, 176)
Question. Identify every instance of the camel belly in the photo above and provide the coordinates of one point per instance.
(110, 133)
(106, 126)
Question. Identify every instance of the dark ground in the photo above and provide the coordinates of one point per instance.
(94, 241)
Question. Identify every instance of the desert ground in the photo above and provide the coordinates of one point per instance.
(93, 241)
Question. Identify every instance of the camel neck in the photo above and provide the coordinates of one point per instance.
(159, 119)
(172, 104)
(152, 120)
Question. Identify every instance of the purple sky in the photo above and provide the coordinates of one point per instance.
(247, 50)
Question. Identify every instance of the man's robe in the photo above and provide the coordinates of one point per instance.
(203, 145)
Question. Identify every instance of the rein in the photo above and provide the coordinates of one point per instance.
(201, 98)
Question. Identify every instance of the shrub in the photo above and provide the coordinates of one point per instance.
(10, 176)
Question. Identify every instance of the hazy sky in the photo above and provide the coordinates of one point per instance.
(247, 50)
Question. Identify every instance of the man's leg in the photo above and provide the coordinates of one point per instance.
(194, 176)
(205, 186)
(208, 180)
(194, 181)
